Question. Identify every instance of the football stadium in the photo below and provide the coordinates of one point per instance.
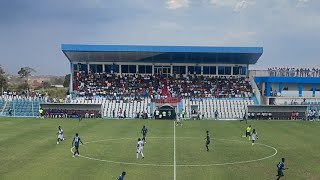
(166, 112)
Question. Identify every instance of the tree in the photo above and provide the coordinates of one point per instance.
(57, 80)
(46, 84)
(3, 80)
(25, 72)
(66, 82)
(22, 87)
(1, 70)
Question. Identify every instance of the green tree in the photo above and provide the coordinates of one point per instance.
(22, 87)
(25, 72)
(1, 70)
(66, 82)
(3, 80)
(57, 81)
(46, 84)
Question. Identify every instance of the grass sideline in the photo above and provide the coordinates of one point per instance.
(28, 149)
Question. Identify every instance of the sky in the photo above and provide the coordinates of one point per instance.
(32, 31)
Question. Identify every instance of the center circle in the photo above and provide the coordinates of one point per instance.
(222, 151)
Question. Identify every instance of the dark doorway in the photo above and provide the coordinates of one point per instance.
(167, 112)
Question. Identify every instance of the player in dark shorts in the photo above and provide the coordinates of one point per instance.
(76, 141)
(80, 116)
(144, 132)
(207, 141)
(121, 177)
(280, 167)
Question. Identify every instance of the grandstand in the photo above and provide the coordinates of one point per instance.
(136, 78)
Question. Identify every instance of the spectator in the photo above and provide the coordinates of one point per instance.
(294, 72)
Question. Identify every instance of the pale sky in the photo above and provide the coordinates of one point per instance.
(31, 31)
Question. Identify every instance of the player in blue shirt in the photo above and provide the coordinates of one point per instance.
(144, 132)
(207, 141)
(280, 167)
(76, 141)
(121, 177)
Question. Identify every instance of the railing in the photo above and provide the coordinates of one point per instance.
(255, 87)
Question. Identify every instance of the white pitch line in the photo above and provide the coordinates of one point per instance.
(174, 151)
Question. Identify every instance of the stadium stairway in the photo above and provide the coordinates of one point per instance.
(180, 106)
(165, 91)
(2, 105)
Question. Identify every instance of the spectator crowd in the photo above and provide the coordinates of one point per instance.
(137, 86)
(294, 72)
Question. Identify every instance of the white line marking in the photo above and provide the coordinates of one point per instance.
(180, 165)
(174, 151)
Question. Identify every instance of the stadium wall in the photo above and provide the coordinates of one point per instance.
(83, 107)
(282, 112)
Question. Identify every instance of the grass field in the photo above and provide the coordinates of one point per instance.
(28, 150)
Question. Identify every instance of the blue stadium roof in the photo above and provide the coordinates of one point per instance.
(161, 54)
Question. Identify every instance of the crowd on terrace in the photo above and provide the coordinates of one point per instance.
(136, 86)
(294, 72)
(33, 96)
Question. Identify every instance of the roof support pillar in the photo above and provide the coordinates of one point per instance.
(300, 90)
(280, 88)
(232, 71)
(71, 78)
(268, 89)
(313, 90)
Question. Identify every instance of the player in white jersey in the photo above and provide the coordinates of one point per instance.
(254, 136)
(140, 148)
(179, 117)
(60, 135)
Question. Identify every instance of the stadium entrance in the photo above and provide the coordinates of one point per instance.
(167, 112)
(165, 70)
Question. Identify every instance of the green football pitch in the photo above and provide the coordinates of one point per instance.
(28, 150)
